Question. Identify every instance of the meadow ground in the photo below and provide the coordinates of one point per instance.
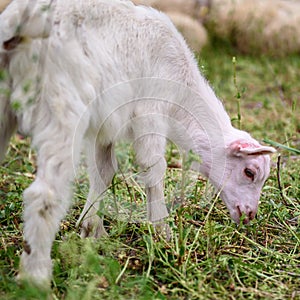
(208, 256)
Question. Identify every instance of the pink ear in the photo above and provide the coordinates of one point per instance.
(241, 147)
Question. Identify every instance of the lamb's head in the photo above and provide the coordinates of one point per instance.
(246, 167)
(21, 19)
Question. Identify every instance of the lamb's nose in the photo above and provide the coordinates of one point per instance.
(247, 211)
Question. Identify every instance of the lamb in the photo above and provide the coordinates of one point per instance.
(86, 74)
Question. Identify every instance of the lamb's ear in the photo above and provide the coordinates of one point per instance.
(241, 148)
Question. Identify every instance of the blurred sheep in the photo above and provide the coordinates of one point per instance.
(187, 16)
(194, 8)
(194, 33)
(258, 26)
(3, 4)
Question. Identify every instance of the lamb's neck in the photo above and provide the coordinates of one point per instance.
(212, 145)
(210, 128)
(209, 123)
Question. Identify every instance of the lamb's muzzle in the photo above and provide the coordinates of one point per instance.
(247, 212)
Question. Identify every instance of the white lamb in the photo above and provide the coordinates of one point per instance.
(85, 74)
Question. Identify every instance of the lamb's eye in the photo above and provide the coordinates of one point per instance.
(249, 173)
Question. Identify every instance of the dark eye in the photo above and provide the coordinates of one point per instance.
(249, 173)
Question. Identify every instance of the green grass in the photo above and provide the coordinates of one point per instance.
(208, 257)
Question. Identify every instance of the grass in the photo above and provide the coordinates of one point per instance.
(208, 257)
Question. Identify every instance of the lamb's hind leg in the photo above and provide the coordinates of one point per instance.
(150, 150)
(101, 165)
(8, 121)
(45, 203)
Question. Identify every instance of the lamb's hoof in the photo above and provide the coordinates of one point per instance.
(93, 227)
(35, 271)
(23, 279)
(163, 230)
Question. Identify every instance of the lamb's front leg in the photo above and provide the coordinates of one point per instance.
(157, 210)
(102, 166)
(156, 206)
(150, 151)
